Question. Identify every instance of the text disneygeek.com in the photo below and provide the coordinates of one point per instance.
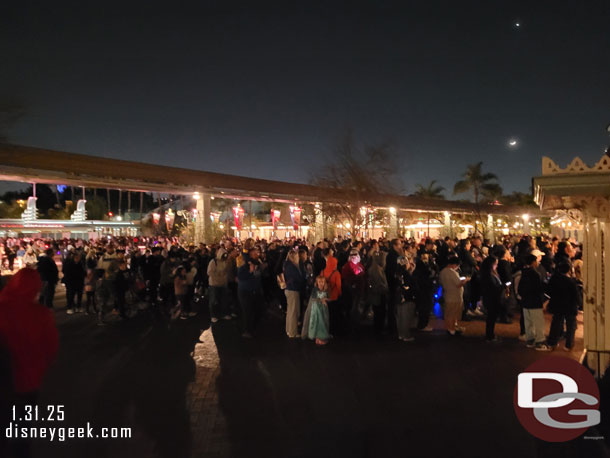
(27, 424)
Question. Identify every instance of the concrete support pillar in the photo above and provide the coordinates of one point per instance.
(447, 229)
(141, 203)
(319, 224)
(394, 230)
(526, 224)
(203, 222)
(490, 235)
(596, 300)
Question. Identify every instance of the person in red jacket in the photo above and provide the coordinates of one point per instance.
(29, 337)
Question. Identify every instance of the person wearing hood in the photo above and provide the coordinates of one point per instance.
(377, 287)
(333, 280)
(29, 336)
(218, 281)
(353, 281)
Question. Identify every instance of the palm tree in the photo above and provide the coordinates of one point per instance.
(518, 198)
(481, 184)
(432, 191)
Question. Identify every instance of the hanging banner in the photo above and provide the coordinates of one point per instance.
(275, 218)
(156, 218)
(295, 216)
(215, 217)
(170, 216)
(238, 214)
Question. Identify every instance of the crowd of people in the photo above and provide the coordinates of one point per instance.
(328, 289)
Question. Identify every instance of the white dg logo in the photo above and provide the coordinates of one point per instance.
(569, 394)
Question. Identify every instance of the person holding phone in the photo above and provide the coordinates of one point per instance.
(492, 291)
(249, 290)
(453, 293)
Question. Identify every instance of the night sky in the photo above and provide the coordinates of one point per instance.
(266, 90)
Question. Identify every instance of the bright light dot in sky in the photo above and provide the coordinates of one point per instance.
(517, 24)
(512, 142)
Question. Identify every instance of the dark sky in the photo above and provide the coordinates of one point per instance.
(265, 90)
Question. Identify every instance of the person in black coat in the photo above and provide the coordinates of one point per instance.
(121, 286)
(424, 275)
(564, 254)
(74, 279)
(505, 271)
(152, 272)
(319, 263)
(49, 275)
(391, 273)
(531, 290)
(563, 304)
(468, 268)
(492, 291)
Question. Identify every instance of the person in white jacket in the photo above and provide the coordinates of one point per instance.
(218, 280)
(453, 293)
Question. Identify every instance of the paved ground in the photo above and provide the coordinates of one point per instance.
(191, 390)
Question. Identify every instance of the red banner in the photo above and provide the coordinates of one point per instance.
(238, 214)
(295, 216)
(275, 218)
